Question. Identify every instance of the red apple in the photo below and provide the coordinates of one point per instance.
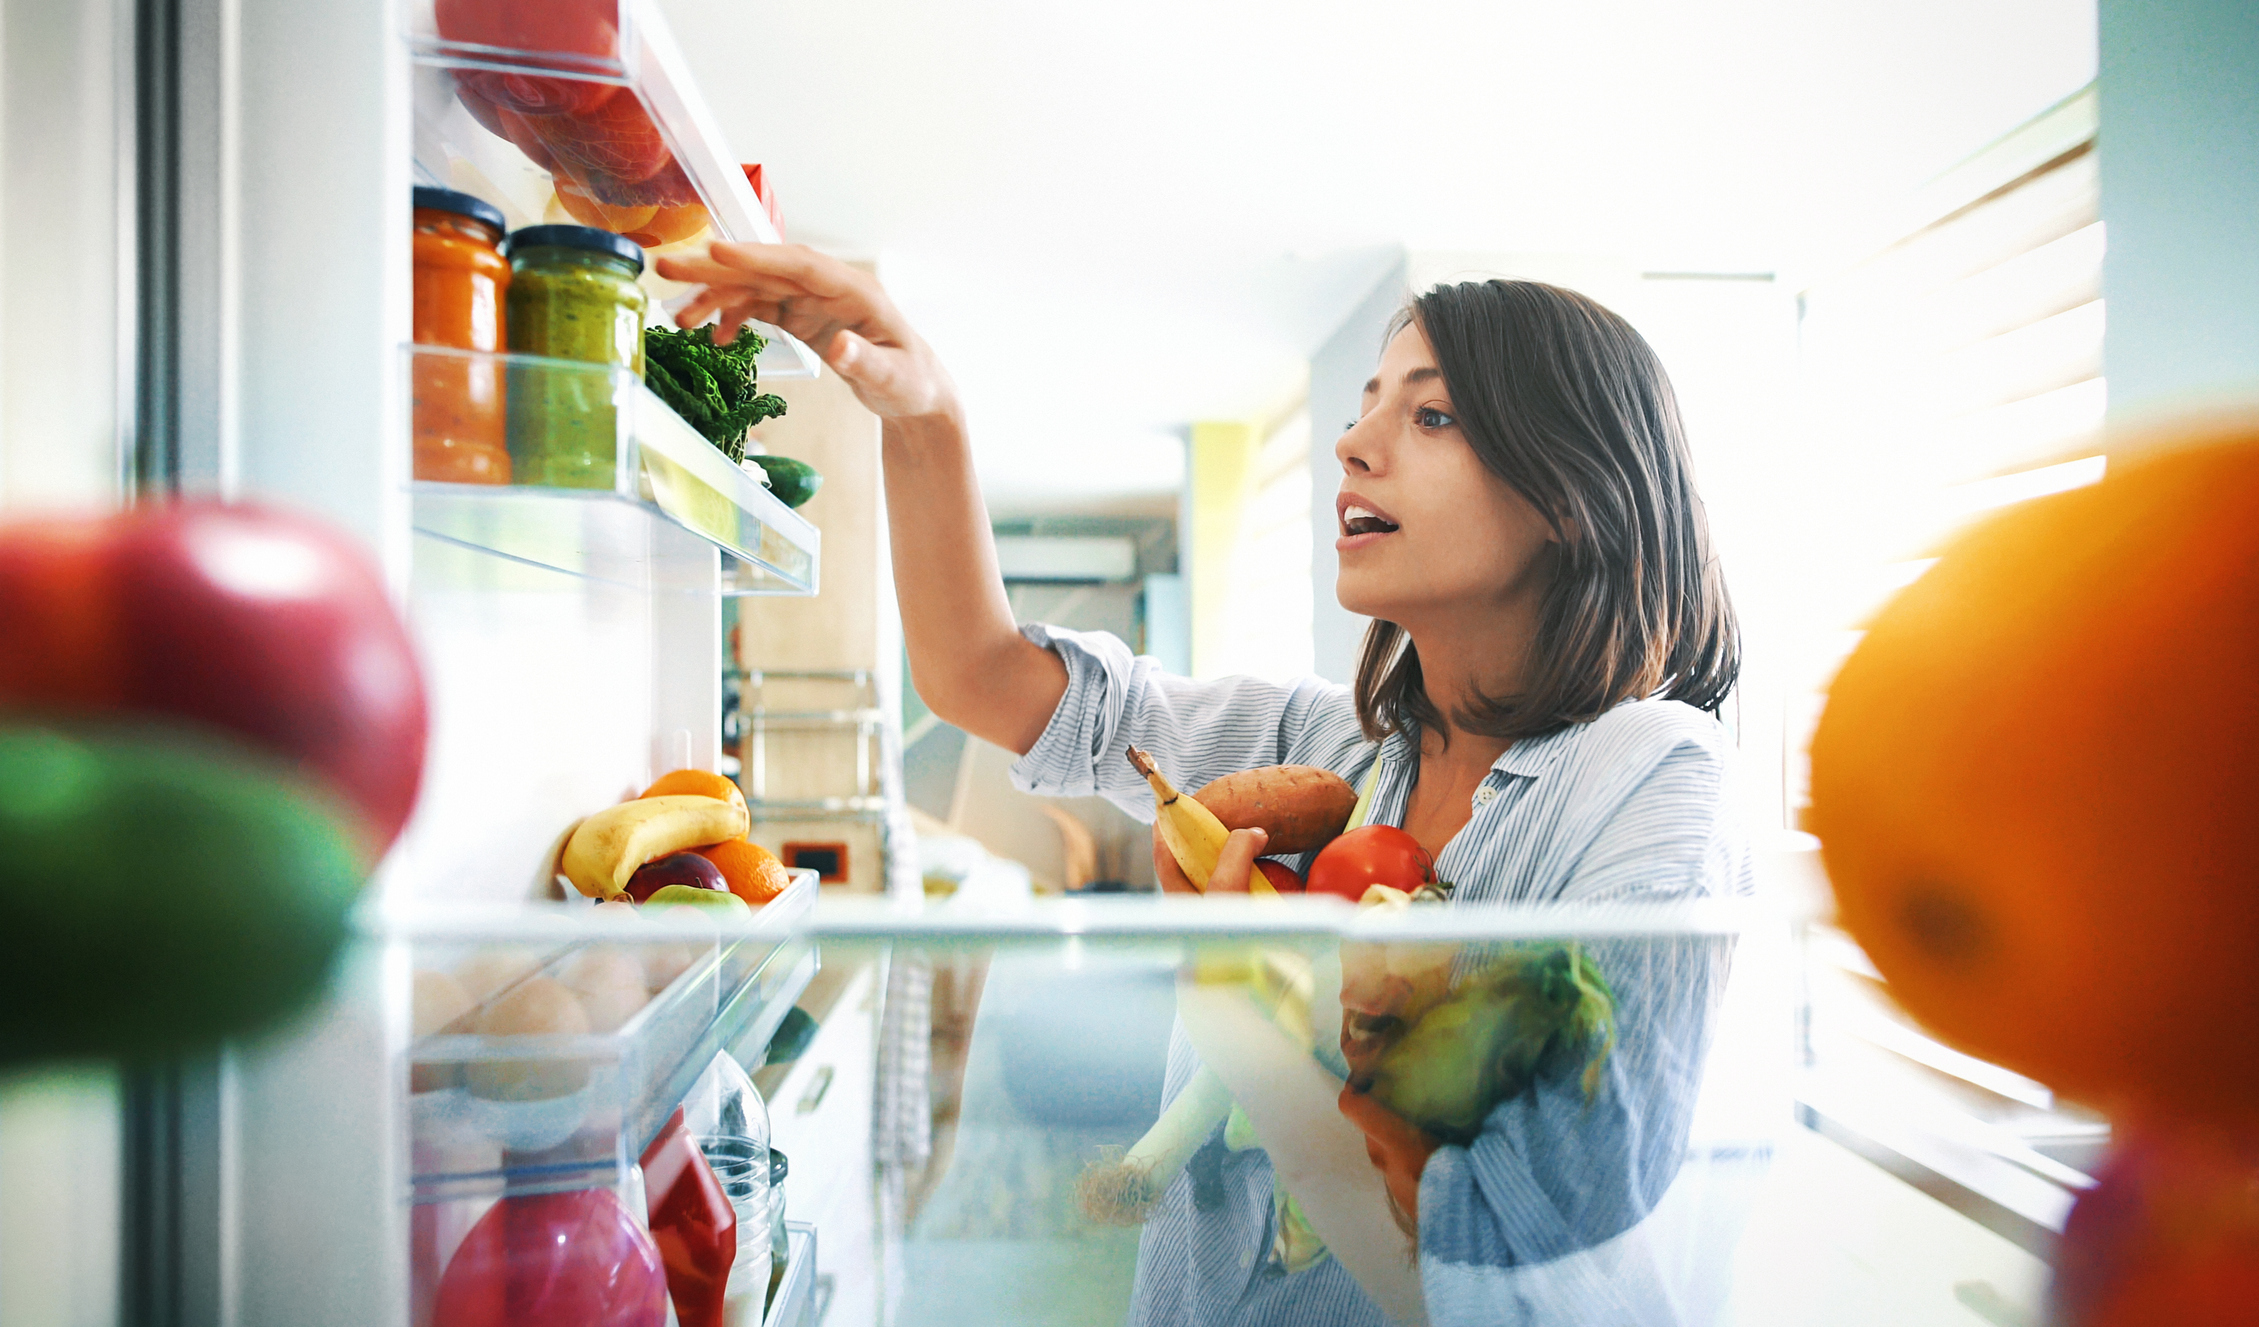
(1282, 877)
(683, 868)
(269, 627)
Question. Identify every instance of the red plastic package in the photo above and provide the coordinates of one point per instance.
(692, 1223)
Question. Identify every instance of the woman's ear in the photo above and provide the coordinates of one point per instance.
(1566, 531)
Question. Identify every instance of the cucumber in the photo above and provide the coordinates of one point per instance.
(793, 482)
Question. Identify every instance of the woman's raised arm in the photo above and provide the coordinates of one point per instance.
(967, 657)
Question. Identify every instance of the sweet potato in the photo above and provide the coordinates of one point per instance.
(1302, 807)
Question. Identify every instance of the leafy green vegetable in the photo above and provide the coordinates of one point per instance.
(710, 386)
(1484, 1043)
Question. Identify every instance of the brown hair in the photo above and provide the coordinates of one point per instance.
(1570, 407)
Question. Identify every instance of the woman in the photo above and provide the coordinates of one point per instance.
(1517, 515)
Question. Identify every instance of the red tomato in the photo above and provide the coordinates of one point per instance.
(269, 627)
(1368, 856)
(2168, 1234)
(616, 138)
(563, 27)
(1282, 877)
(584, 31)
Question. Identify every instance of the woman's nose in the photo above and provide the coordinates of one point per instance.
(1354, 450)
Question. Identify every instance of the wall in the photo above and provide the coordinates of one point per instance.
(1339, 369)
(2180, 195)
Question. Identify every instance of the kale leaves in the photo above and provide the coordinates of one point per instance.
(710, 386)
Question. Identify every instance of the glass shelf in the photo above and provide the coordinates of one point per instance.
(582, 112)
(633, 495)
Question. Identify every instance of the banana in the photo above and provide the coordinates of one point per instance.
(607, 848)
(1194, 835)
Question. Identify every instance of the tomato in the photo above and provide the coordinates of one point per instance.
(1282, 877)
(583, 31)
(1368, 856)
(2167, 1234)
(268, 627)
(616, 138)
(585, 28)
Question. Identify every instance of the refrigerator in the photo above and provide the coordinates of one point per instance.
(1001, 1112)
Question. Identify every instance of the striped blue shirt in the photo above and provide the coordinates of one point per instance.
(1630, 806)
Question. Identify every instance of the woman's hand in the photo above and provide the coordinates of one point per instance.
(839, 311)
(1233, 865)
(1398, 1147)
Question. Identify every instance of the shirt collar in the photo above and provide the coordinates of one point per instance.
(1531, 757)
(1528, 758)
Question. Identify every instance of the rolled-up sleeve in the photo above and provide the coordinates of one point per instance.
(1196, 730)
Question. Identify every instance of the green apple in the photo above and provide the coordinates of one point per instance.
(699, 898)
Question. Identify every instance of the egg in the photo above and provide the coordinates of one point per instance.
(538, 1006)
(436, 1001)
(489, 972)
(609, 982)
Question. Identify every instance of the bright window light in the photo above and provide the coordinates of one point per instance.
(2007, 490)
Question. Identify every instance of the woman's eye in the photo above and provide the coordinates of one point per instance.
(1428, 417)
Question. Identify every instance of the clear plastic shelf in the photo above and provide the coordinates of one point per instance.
(643, 482)
(550, 1112)
(583, 112)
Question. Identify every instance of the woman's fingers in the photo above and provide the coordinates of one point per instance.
(1233, 865)
(815, 273)
(1237, 861)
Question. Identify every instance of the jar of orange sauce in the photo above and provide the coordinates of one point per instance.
(461, 436)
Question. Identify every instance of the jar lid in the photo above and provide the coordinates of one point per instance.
(447, 200)
(575, 237)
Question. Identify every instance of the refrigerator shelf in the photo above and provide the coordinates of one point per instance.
(583, 112)
(644, 518)
(795, 1302)
(550, 1112)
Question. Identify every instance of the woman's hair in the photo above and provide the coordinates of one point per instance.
(1570, 407)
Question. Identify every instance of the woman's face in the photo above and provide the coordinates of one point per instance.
(1426, 530)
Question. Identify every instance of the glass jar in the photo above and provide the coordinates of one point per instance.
(460, 280)
(779, 1251)
(573, 296)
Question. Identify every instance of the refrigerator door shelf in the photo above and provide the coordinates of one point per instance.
(552, 1111)
(795, 1302)
(584, 112)
(655, 505)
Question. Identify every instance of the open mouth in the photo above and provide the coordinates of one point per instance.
(1359, 519)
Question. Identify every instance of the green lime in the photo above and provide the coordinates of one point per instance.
(793, 482)
(170, 891)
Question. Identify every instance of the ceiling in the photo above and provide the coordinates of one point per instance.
(1114, 219)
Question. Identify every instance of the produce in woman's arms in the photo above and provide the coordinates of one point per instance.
(1533, 714)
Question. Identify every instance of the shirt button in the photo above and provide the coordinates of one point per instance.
(1485, 795)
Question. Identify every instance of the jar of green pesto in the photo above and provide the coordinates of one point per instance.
(573, 295)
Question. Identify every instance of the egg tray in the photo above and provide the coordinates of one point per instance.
(548, 1112)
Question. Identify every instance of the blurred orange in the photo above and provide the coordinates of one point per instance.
(753, 872)
(2033, 787)
(696, 783)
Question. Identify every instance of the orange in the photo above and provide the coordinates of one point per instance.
(696, 783)
(2034, 785)
(753, 872)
